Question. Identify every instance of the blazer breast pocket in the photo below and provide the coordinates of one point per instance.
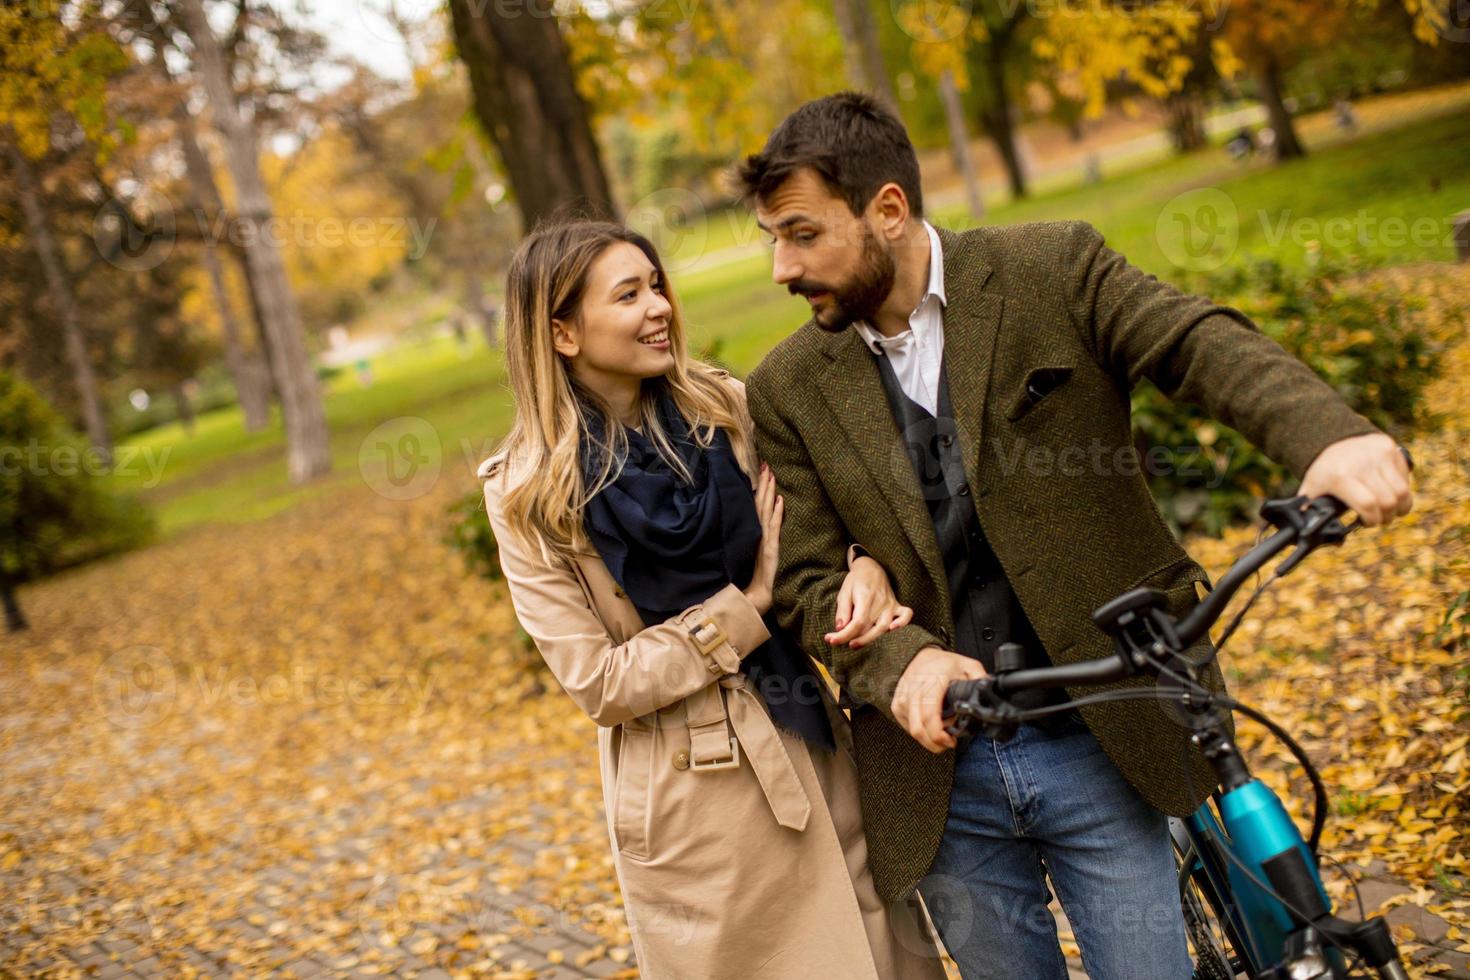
(1041, 384)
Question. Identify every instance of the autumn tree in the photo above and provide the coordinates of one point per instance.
(864, 54)
(420, 135)
(308, 451)
(247, 372)
(51, 68)
(998, 49)
(526, 98)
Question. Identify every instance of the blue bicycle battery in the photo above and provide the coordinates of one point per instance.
(1260, 829)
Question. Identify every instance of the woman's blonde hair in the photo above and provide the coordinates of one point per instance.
(546, 494)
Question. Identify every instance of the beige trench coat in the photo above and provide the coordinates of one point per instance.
(740, 852)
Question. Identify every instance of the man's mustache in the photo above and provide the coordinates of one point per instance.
(805, 287)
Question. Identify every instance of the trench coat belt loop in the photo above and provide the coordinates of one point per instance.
(712, 746)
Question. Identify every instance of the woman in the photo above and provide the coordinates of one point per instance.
(639, 536)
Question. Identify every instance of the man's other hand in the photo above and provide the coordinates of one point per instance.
(1368, 473)
(918, 700)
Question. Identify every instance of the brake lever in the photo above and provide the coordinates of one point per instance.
(977, 709)
(1315, 522)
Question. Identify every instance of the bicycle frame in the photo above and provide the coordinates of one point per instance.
(1255, 828)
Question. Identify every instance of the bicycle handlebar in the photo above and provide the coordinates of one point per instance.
(1298, 521)
(1313, 525)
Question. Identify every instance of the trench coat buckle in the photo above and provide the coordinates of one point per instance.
(731, 763)
(707, 636)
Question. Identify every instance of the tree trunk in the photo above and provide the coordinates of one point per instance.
(308, 452)
(184, 407)
(526, 99)
(271, 386)
(959, 140)
(1186, 121)
(474, 304)
(247, 372)
(863, 53)
(987, 64)
(999, 122)
(205, 200)
(62, 299)
(15, 620)
(1268, 80)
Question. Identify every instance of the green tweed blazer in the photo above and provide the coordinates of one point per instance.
(1058, 487)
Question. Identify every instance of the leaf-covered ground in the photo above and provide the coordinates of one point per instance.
(310, 744)
(1363, 654)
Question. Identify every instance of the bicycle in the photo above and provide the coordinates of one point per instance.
(1251, 893)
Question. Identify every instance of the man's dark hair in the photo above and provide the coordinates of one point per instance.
(854, 143)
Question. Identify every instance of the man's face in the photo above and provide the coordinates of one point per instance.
(822, 251)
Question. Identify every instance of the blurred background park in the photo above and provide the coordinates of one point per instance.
(264, 707)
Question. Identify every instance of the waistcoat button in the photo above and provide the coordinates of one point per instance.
(681, 759)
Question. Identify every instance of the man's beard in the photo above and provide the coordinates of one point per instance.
(861, 296)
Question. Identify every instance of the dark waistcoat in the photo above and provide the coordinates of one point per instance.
(987, 612)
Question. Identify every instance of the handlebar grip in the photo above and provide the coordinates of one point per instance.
(951, 694)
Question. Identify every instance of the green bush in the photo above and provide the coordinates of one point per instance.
(1366, 340)
(469, 533)
(55, 510)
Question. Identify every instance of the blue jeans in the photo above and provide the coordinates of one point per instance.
(1052, 804)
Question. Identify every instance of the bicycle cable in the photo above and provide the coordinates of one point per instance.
(1319, 789)
(1358, 897)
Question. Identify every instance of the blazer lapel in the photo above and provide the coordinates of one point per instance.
(971, 325)
(854, 392)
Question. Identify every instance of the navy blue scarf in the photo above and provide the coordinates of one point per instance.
(672, 545)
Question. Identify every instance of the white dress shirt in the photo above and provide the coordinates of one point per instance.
(917, 352)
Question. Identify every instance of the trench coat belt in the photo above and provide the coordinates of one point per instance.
(711, 745)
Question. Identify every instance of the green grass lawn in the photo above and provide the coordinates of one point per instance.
(1339, 197)
(1413, 173)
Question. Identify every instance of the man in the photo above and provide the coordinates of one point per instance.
(958, 404)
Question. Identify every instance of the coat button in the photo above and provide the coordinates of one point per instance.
(946, 440)
(965, 490)
(681, 759)
(987, 634)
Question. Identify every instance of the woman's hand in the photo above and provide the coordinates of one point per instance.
(866, 606)
(768, 507)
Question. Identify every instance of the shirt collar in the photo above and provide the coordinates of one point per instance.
(935, 288)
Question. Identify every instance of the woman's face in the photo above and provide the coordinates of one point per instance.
(621, 332)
